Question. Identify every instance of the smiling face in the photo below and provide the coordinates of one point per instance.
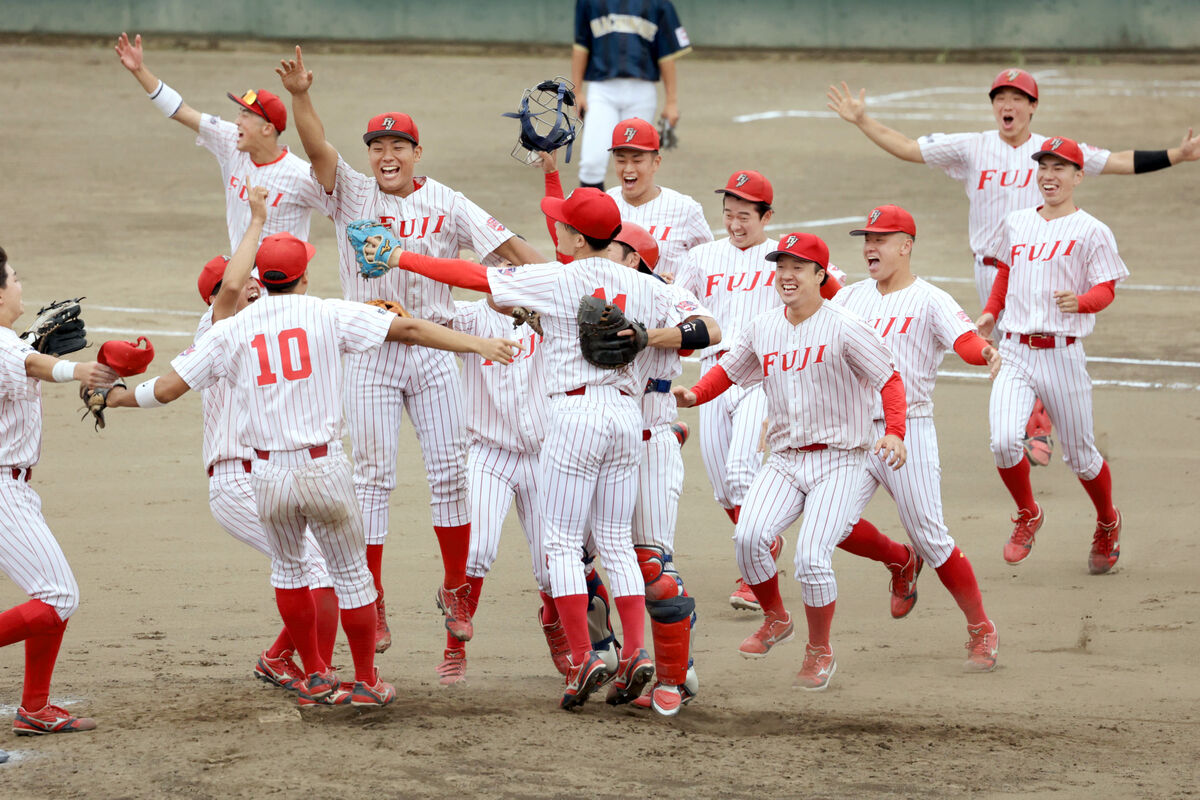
(1057, 179)
(635, 169)
(251, 292)
(392, 161)
(885, 253)
(1013, 110)
(253, 131)
(11, 299)
(745, 226)
(797, 280)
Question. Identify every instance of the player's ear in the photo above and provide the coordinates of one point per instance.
(766, 217)
(657, 159)
(416, 153)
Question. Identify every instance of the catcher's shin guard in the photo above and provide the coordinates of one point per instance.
(671, 612)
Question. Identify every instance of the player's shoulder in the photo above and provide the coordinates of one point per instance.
(1091, 222)
(932, 293)
(855, 292)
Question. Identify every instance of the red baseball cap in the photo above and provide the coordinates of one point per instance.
(1016, 78)
(640, 240)
(587, 210)
(212, 274)
(888, 219)
(282, 258)
(264, 104)
(635, 134)
(1064, 148)
(392, 123)
(749, 185)
(126, 358)
(805, 246)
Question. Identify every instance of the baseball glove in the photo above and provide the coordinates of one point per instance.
(390, 305)
(600, 322)
(95, 401)
(667, 138)
(58, 329)
(358, 232)
(522, 316)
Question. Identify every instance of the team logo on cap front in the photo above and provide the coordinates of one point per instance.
(741, 180)
(791, 240)
(388, 123)
(1055, 143)
(1013, 74)
(629, 134)
(873, 216)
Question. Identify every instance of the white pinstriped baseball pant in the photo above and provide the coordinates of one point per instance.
(730, 435)
(29, 553)
(660, 483)
(498, 477)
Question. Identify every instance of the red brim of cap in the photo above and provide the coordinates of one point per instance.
(1057, 154)
(775, 254)
(552, 207)
(749, 198)
(255, 111)
(642, 148)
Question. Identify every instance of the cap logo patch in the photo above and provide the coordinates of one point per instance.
(1012, 74)
(629, 134)
(1055, 143)
(791, 240)
(741, 180)
(388, 123)
(874, 216)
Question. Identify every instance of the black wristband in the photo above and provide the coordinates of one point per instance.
(694, 334)
(1150, 160)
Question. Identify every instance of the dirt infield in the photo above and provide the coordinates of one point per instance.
(1096, 692)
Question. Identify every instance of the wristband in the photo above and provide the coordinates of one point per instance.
(63, 371)
(166, 99)
(693, 335)
(1150, 160)
(144, 394)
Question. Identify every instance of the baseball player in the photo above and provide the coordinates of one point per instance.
(820, 366)
(1058, 268)
(621, 49)
(282, 356)
(590, 457)
(247, 150)
(29, 553)
(226, 286)
(919, 322)
(430, 218)
(993, 167)
(733, 277)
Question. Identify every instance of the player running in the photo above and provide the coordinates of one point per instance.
(435, 220)
(1058, 268)
(919, 322)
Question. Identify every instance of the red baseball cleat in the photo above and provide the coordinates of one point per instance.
(282, 672)
(982, 647)
(49, 719)
(819, 666)
(775, 630)
(904, 583)
(383, 635)
(1021, 542)
(582, 680)
(1106, 547)
(453, 603)
(453, 669)
(633, 674)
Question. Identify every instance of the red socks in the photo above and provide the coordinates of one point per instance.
(572, 610)
(454, 541)
(959, 578)
(1099, 489)
(326, 603)
(375, 564)
(767, 594)
(472, 605)
(1016, 478)
(820, 620)
(39, 626)
(31, 618)
(549, 609)
(866, 541)
(359, 624)
(300, 616)
(632, 611)
(733, 513)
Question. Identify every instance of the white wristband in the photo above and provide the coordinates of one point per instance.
(63, 371)
(166, 99)
(144, 394)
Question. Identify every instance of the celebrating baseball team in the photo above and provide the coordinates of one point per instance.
(813, 393)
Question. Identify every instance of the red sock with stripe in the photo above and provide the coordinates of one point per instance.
(959, 578)
(767, 594)
(866, 541)
(632, 611)
(1016, 478)
(1099, 489)
(455, 543)
(299, 614)
(359, 624)
(820, 621)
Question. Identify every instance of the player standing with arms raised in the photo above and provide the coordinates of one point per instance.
(247, 149)
(29, 553)
(1058, 268)
(430, 218)
(820, 367)
(622, 48)
(919, 323)
(283, 355)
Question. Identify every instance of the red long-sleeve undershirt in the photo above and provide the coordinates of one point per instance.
(454, 271)
(969, 347)
(554, 189)
(1093, 301)
(895, 406)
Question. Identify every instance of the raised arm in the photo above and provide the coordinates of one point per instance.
(150, 394)
(165, 99)
(428, 334)
(237, 271)
(321, 154)
(854, 110)
(1131, 162)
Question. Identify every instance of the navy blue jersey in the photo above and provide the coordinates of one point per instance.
(627, 38)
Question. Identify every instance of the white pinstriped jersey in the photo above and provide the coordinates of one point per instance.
(220, 406)
(659, 363)
(736, 284)
(283, 355)
(919, 323)
(1071, 253)
(20, 404)
(820, 376)
(434, 221)
(555, 291)
(294, 192)
(675, 220)
(997, 177)
(507, 406)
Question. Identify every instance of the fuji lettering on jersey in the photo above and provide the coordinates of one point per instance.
(665, 232)
(889, 324)
(528, 348)
(1008, 179)
(418, 227)
(242, 192)
(739, 282)
(1037, 251)
(786, 362)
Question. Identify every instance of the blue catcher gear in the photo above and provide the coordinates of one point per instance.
(549, 120)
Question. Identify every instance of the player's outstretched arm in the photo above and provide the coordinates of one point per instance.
(854, 110)
(694, 333)
(237, 272)
(165, 99)
(428, 334)
(149, 394)
(91, 374)
(321, 154)
(516, 250)
(1135, 162)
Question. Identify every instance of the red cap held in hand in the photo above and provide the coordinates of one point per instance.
(126, 358)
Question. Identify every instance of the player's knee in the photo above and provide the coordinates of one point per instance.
(64, 599)
(658, 573)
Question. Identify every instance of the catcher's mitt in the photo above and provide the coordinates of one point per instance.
(522, 316)
(58, 329)
(95, 401)
(667, 138)
(390, 305)
(358, 232)
(599, 324)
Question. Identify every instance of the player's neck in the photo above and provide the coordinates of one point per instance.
(642, 198)
(803, 307)
(1016, 138)
(1064, 209)
(266, 152)
(900, 279)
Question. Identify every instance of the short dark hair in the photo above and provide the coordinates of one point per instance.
(594, 243)
(762, 207)
(626, 249)
(3, 271)
(280, 288)
(992, 94)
